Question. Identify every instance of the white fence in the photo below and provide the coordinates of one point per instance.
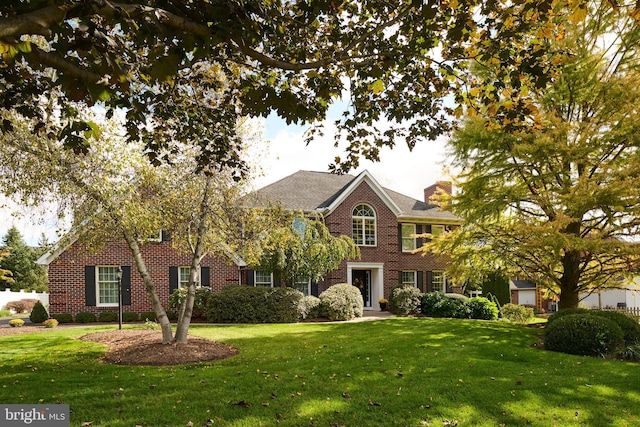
(8, 296)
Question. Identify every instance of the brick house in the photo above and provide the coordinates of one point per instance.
(383, 223)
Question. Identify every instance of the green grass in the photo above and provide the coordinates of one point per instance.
(397, 372)
(5, 313)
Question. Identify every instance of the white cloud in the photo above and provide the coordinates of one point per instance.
(401, 170)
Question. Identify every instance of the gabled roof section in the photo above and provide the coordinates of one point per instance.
(324, 192)
(521, 285)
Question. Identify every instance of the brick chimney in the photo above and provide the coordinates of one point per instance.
(445, 186)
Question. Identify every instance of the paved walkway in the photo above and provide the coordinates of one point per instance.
(369, 315)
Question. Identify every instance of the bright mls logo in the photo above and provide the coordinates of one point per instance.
(34, 415)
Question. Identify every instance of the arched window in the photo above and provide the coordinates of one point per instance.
(364, 225)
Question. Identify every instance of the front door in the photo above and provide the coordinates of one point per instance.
(361, 279)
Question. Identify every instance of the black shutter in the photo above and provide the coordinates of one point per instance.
(314, 289)
(126, 285)
(204, 276)
(166, 236)
(277, 282)
(419, 281)
(173, 279)
(448, 286)
(90, 285)
(427, 230)
(250, 278)
(399, 237)
(429, 281)
(419, 239)
(399, 277)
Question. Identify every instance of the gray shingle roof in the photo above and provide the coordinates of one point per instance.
(309, 191)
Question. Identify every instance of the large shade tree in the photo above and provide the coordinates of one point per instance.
(20, 261)
(397, 61)
(560, 205)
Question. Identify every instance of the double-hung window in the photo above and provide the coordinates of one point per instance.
(408, 237)
(107, 286)
(364, 225)
(263, 279)
(303, 285)
(409, 278)
(438, 281)
(184, 274)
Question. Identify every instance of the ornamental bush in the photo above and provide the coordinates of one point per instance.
(482, 308)
(108, 316)
(63, 317)
(567, 312)
(199, 303)
(310, 307)
(583, 334)
(342, 302)
(437, 304)
(16, 323)
(85, 317)
(248, 304)
(50, 323)
(38, 313)
(516, 313)
(630, 328)
(129, 316)
(148, 316)
(405, 300)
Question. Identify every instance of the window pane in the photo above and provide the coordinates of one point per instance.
(185, 272)
(364, 225)
(263, 279)
(438, 281)
(107, 285)
(302, 285)
(408, 241)
(409, 278)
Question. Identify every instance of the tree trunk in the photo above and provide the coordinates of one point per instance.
(570, 280)
(162, 318)
(186, 308)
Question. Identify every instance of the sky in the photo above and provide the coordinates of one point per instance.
(283, 153)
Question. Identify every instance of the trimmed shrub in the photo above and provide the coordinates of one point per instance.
(38, 313)
(199, 303)
(405, 300)
(63, 317)
(342, 302)
(630, 328)
(50, 323)
(437, 304)
(482, 308)
(129, 316)
(85, 317)
(16, 323)
(248, 304)
(583, 334)
(148, 315)
(497, 285)
(108, 316)
(567, 312)
(516, 313)
(310, 307)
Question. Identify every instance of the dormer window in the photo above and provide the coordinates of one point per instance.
(364, 225)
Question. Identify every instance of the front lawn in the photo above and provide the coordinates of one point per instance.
(397, 372)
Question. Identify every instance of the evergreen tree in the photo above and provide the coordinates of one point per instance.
(26, 274)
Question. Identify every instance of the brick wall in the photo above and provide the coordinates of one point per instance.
(387, 249)
(67, 281)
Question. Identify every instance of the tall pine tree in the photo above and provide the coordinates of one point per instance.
(26, 274)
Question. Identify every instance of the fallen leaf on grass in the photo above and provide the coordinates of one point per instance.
(242, 403)
(375, 403)
(86, 423)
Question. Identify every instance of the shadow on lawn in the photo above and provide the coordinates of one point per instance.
(401, 371)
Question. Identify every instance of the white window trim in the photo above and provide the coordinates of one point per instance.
(255, 279)
(444, 281)
(97, 274)
(156, 237)
(300, 282)
(362, 220)
(415, 277)
(412, 236)
(180, 285)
